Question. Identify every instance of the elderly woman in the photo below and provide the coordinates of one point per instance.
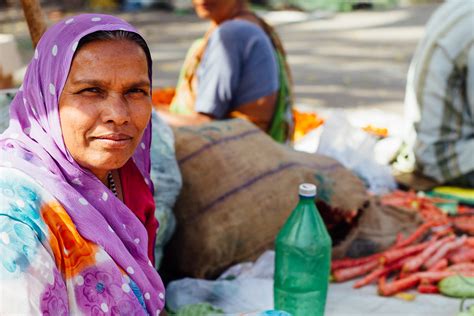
(74, 177)
(237, 70)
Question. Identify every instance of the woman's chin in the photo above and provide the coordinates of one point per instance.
(105, 163)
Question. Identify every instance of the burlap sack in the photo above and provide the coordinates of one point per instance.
(239, 187)
(377, 229)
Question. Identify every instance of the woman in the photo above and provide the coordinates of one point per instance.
(237, 70)
(74, 177)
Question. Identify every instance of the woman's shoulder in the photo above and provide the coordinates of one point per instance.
(239, 29)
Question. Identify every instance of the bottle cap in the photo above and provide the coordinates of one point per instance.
(307, 189)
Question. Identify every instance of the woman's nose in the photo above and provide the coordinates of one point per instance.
(116, 110)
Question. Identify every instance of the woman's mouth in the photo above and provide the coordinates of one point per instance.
(114, 140)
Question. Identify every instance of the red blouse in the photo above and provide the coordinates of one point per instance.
(138, 198)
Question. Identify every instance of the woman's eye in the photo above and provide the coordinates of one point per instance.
(137, 91)
(92, 90)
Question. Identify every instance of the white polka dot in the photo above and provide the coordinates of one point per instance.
(161, 296)
(111, 229)
(54, 50)
(14, 135)
(33, 110)
(105, 196)
(52, 89)
(130, 270)
(20, 203)
(147, 295)
(83, 201)
(27, 130)
(104, 307)
(96, 19)
(126, 278)
(122, 29)
(125, 287)
(101, 256)
(150, 264)
(77, 181)
(69, 21)
(143, 145)
(24, 101)
(124, 227)
(79, 280)
(5, 238)
(147, 182)
(137, 240)
(158, 312)
(36, 54)
(74, 46)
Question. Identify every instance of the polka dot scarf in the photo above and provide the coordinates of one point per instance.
(33, 143)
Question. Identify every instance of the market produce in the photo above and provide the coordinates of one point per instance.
(457, 286)
(433, 259)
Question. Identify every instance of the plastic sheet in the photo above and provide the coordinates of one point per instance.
(354, 148)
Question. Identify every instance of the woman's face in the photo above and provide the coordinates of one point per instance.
(105, 104)
(216, 10)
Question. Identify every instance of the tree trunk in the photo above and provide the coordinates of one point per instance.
(35, 19)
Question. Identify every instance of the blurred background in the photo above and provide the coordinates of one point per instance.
(351, 54)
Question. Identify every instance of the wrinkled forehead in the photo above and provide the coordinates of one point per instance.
(58, 45)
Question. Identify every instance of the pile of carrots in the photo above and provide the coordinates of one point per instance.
(432, 253)
(427, 207)
(411, 262)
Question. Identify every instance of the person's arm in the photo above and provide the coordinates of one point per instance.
(259, 112)
(183, 119)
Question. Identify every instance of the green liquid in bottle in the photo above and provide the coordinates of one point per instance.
(302, 259)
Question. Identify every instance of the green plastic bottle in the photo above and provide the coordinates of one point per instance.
(302, 259)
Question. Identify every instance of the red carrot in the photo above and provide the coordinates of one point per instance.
(440, 265)
(465, 255)
(420, 231)
(435, 276)
(377, 273)
(442, 230)
(417, 261)
(345, 274)
(443, 250)
(352, 262)
(398, 240)
(388, 289)
(462, 267)
(470, 241)
(398, 253)
(428, 288)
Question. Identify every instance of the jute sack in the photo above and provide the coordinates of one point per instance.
(377, 229)
(239, 187)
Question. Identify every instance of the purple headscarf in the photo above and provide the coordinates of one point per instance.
(34, 144)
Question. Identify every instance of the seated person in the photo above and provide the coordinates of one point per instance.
(237, 70)
(76, 207)
(439, 99)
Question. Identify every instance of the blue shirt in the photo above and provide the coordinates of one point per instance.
(239, 66)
